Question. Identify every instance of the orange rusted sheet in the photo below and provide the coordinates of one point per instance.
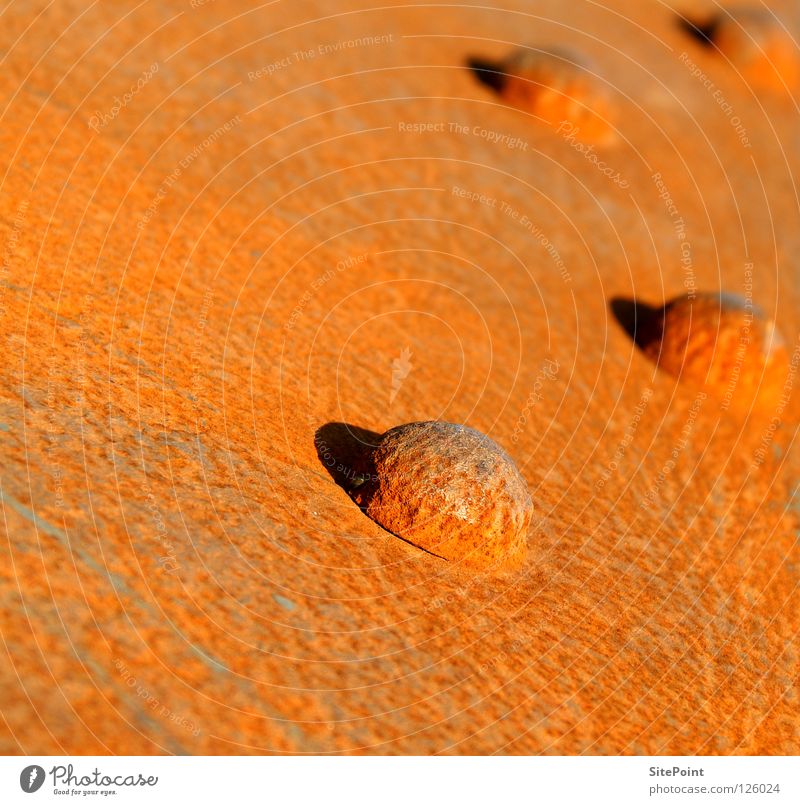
(231, 229)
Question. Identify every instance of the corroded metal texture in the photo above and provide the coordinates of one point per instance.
(234, 239)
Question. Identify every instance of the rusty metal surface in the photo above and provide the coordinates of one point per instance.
(224, 227)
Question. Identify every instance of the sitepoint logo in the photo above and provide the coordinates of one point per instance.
(31, 779)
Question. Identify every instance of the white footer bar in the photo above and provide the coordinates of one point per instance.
(401, 780)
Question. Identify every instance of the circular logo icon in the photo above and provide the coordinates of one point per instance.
(31, 779)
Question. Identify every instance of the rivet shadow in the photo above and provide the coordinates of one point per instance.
(345, 451)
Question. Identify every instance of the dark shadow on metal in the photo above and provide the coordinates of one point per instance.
(702, 32)
(642, 322)
(488, 73)
(346, 453)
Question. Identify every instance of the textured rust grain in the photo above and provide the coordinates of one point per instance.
(192, 293)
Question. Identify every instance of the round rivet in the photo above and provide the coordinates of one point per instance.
(722, 341)
(449, 490)
(558, 86)
(755, 42)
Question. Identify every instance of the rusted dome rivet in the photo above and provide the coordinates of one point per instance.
(451, 491)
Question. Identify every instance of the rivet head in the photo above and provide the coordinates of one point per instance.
(721, 341)
(757, 45)
(451, 491)
(560, 87)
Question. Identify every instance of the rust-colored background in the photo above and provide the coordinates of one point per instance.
(199, 274)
